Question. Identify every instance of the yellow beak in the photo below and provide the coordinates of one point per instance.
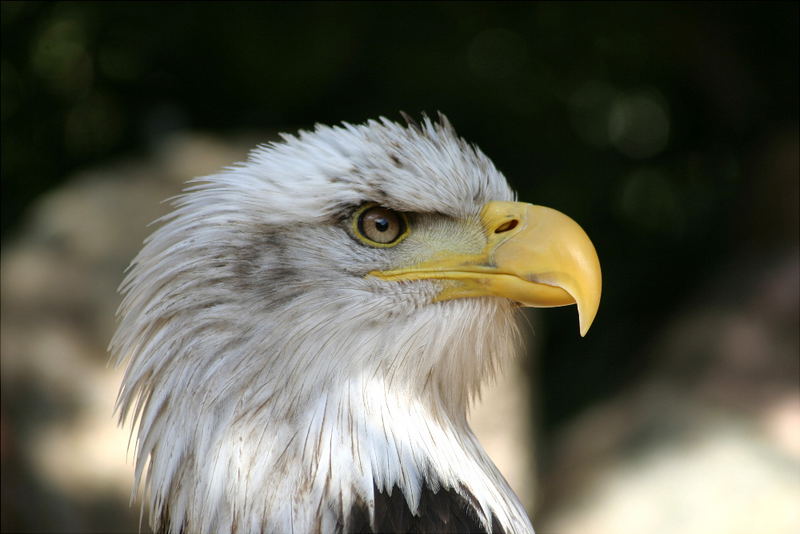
(534, 255)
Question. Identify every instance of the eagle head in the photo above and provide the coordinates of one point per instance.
(305, 330)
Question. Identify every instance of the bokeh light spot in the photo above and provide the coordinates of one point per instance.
(638, 125)
(60, 57)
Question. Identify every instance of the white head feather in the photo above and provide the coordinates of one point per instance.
(276, 385)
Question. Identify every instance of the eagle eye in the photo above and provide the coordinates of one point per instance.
(379, 227)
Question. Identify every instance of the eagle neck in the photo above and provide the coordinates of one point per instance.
(398, 439)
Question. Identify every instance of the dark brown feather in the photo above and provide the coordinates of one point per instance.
(440, 511)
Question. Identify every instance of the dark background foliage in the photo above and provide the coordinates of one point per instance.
(668, 130)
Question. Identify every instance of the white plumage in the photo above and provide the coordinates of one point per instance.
(277, 383)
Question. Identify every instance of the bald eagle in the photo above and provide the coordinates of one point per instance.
(305, 331)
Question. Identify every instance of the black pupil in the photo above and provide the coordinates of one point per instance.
(381, 224)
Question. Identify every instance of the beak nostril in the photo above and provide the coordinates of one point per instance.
(506, 226)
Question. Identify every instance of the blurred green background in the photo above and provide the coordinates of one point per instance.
(668, 130)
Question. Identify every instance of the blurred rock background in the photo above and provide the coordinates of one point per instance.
(669, 131)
